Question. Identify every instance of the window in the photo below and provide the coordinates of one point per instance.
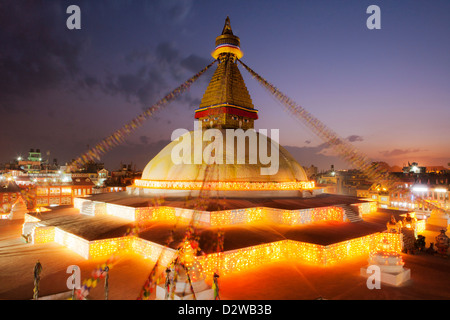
(42, 201)
(54, 200)
(66, 200)
(66, 191)
(42, 191)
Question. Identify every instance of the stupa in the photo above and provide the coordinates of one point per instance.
(226, 106)
(261, 218)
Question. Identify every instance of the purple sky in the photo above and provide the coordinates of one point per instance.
(385, 90)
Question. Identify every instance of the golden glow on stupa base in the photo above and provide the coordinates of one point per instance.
(225, 185)
(228, 261)
(221, 218)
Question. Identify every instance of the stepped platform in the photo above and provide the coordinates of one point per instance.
(259, 242)
(288, 203)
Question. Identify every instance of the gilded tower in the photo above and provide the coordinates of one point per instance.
(226, 103)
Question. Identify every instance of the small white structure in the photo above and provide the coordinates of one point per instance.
(18, 210)
(390, 263)
(180, 289)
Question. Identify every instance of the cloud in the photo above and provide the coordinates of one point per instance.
(317, 156)
(143, 139)
(354, 138)
(398, 152)
(139, 55)
(194, 63)
(166, 53)
(36, 53)
(40, 54)
(147, 83)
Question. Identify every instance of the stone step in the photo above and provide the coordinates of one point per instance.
(351, 214)
(87, 208)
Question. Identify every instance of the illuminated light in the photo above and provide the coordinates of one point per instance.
(440, 190)
(152, 251)
(420, 225)
(227, 49)
(223, 262)
(163, 213)
(72, 242)
(243, 259)
(107, 247)
(240, 216)
(305, 216)
(66, 191)
(119, 211)
(420, 189)
(224, 185)
(218, 218)
(30, 218)
(43, 235)
(367, 207)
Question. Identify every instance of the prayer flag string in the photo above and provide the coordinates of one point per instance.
(343, 148)
(118, 137)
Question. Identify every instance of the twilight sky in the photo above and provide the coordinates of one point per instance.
(386, 91)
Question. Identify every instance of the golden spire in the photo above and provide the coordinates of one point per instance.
(227, 27)
(227, 42)
(226, 102)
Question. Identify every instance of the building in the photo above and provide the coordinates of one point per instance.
(9, 193)
(33, 161)
(82, 187)
(56, 194)
(415, 188)
(414, 168)
(345, 182)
